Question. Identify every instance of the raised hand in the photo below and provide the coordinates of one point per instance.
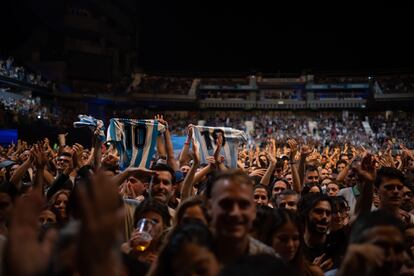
(23, 245)
(366, 169)
(140, 171)
(25, 145)
(386, 159)
(111, 159)
(320, 261)
(270, 157)
(408, 152)
(62, 139)
(326, 150)
(345, 148)
(306, 150)
(218, 148)
(314, 155)
(160, 119)
(190, 130)
(38, 156)
(77, 151)
(258, 172)
(293, 148)
(101, 219)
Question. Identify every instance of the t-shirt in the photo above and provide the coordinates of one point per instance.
(348, 194)
(311, 253)
(135, 140)
(257, 248)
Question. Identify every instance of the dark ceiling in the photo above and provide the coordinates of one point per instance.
(241, 36)
(275, 36)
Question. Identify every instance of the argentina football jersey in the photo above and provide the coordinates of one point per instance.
(135, 140)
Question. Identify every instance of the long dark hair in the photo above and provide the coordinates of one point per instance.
(276, 220)
(154, 206)
(187, 233)
(186, 204)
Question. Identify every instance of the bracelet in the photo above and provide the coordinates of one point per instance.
(292, 163)
(186, 143)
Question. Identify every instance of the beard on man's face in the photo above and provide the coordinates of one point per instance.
(318, 227)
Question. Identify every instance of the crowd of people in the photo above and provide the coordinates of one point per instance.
(153, 84)
(291, 207)
(282, 94)
(327, 128)
(17, 110)
(224, 95)
(9, 69)
(393, 84)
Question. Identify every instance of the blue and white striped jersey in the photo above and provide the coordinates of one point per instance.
(206, 138)
(135, 140)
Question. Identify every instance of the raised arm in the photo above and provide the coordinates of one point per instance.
(203, 172)
(62, 141)
(11, 150)
(39, 160)
(341, 176)
(270, 169)
(97, 150)
(297, 187)
(121, 177)
(171, 161)
(19, 172)
(161, 151)
(366, 174)
(187, 187)
(183, 158)
(305, 151)
(101, 217)
(48, 177)
(217, 158)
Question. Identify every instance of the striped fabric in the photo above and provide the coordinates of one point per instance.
(135, 140)
(92, 123)
(206, 137)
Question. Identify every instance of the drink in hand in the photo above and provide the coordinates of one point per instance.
(144, 241)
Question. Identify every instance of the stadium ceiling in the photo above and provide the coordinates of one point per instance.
(239, 36)
(287, 37)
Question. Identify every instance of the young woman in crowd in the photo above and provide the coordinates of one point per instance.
(188, 251)
(284, 233)
(59, 202)
(157, 215)
(192, 209)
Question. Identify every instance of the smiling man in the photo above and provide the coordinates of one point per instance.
(316, 213)
(162, 185)
(232, 210)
